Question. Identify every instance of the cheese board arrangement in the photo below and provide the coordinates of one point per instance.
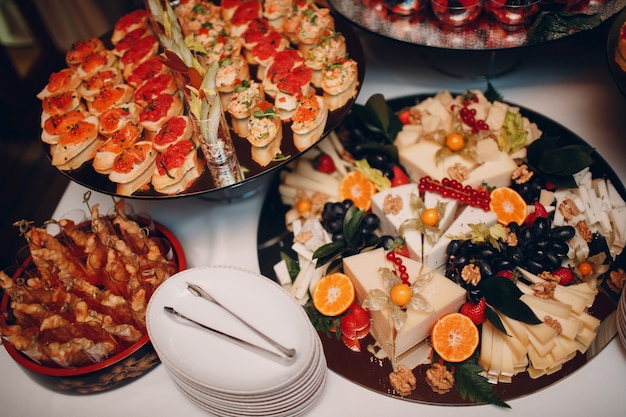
(460, 250)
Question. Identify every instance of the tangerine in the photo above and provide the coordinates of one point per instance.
(508, 205)
(356, 187)
(430, 217)
(333, 294)
(401, 294)
(455, 337)
(455, 142)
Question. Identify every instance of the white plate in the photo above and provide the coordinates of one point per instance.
(218, 364)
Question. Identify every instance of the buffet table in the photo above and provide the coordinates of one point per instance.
(568, 81)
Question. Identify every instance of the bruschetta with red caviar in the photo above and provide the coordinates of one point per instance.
(155, 86)
(92, 85)
(61, 103)
(148, 69)
(110, 96)
(54, 126)
(139, 18)
(115, 118)
(114, 145)
(176, 129)
(77, 145)
(177, 167)
(160, 110)
(142, 50)
(133, 167)
(81, 49)
(308, 121)
(59, 82)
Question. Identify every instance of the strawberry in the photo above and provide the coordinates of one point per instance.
(405, 116)
(565, 275)
(324, 163)
(355, 324)
(539, 211)
(474, 311)
(506, 273)
(352, 344)
(399, 177)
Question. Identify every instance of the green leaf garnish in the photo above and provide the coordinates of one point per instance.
(376, 176)
(502, 294)
(379, 117)
(558, 162)
(473, 386)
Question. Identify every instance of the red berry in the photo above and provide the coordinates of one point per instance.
(506, 273)
(355, 324)
(565, 275)
(539, 211)
(405, 116)
(474, 311)
(324, 163)
(399, 177)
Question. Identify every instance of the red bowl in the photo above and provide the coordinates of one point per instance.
(115, 371)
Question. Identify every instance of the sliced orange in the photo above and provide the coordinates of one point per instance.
(356, 187)
(333, 294)
(508, 205)
(454, 337)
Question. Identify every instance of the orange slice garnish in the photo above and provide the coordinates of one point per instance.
(508, 205)
(455, 337)
(356, 187)
(333, 294)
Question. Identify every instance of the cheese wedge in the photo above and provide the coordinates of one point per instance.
(443, 295)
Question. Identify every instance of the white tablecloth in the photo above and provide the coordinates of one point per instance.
(568, 81)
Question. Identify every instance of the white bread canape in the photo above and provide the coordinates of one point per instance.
(175, 129)
(147, 70)
(309, 121)
(263, 155)
(94, 63)
(142, 50)
(313, 23)
(176, 168)
(52, 127)
(110, 96)
(153, 87)
(60, 82)
(294, 85)
(91, 86)
(246, 94)
(159, 110)
(112, 120)
(243, 15)
(82, 48)
(339, 82)
(113, 146)
(330, 46)
(80, 136)
(231, 70)
(60, 103)
(264, 125)
(129, 22)
(133, 167)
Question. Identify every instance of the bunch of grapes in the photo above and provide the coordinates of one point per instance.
(539, 248)
(333, 217)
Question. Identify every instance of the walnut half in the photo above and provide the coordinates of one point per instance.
(439, 378)
(403, 380)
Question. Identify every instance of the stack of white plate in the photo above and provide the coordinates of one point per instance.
(223, 377)
(621, 317)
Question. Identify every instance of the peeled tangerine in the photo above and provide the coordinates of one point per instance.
(455, 337)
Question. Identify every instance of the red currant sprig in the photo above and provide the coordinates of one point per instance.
(450, 188)
(398, 267)
(468, 116)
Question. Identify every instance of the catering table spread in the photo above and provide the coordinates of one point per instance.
(568, 81)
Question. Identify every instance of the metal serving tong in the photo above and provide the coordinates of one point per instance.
(288, 354)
